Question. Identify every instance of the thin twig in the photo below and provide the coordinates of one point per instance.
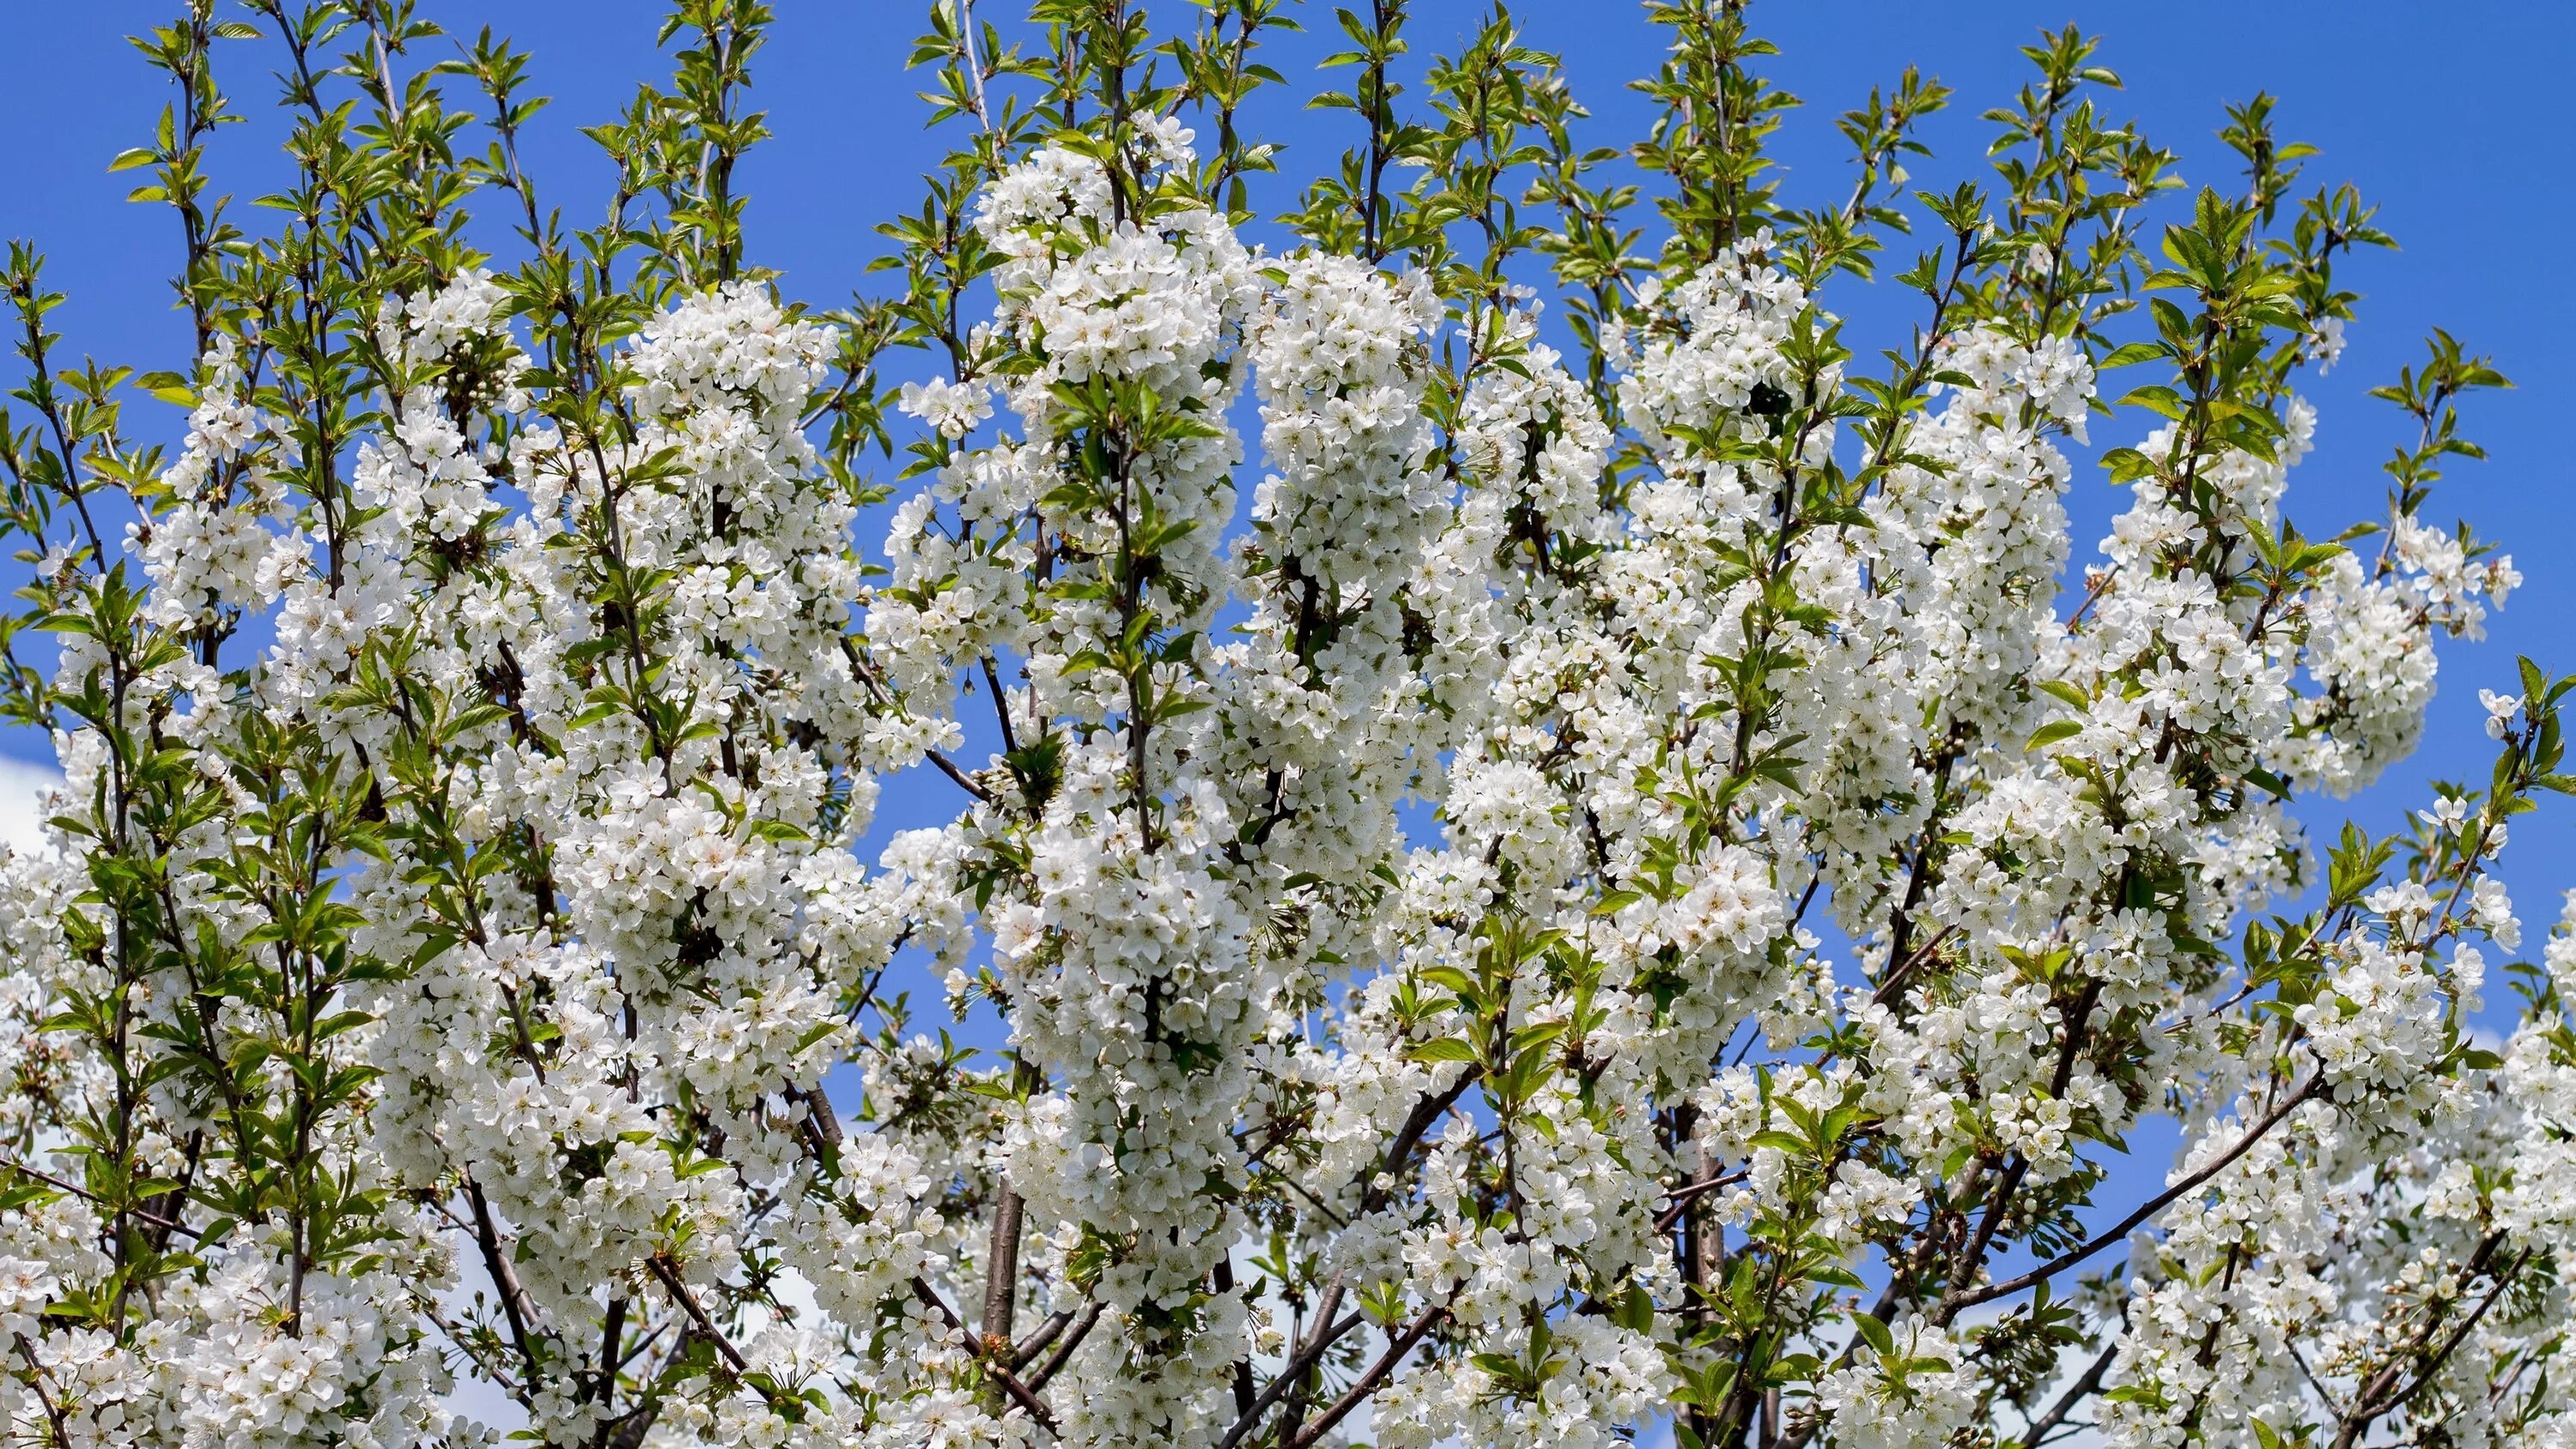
(706, 1326)
(36, 1381)
(1681, 1197)
(1367, 1383)
(2083, 1388)
(154, 1219)
(2063, 1261)
(1064, 1350)
(1020, 1392)
(1288, 1376)
(515, 1304)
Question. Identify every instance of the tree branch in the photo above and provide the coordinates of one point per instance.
(1368, 1382)
(1970, 1298)
(2076, 1393)
(1064, 1351)
(1020, 1393)
(1289, 1375)
(505, 1278)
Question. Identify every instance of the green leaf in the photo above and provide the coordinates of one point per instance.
(2053, 731)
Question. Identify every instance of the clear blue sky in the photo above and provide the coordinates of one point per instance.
(2443, 115)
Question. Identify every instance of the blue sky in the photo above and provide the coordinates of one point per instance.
(2439, 115)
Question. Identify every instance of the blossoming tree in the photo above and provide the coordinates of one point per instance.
(1542, 882)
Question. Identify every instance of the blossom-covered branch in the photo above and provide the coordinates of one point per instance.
(1495, 877)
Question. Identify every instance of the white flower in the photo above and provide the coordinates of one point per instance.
(951, 409)
(2500, 708)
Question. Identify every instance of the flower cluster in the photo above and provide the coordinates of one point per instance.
(1511, 881)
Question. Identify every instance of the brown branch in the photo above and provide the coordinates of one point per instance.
(865, 674)
(1036, 1343)
(36, 1381)
(1368, 1382)
(2378, 1399)
(821, 1123)
(1427, 1109)
(1682, 1197)
(1896, 978)
(949, 768)
(1064, 1351)
(515, 1304)
(1020, 1393)
(1002, 1269)
(603, 1389)
(166, 1225)
(706, 1327)
(1970, 1262)
(1242, 1374)
(1289, 1375)
(1953, 1302)
(2083, 1388)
